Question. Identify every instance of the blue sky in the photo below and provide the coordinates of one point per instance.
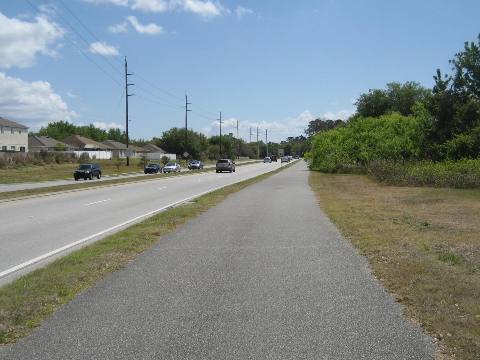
(275, 64)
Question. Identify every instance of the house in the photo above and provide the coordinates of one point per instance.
(78, 142)
(13, 136)
(118, 149)
(45, 143)
(92, 148)
(153, 152)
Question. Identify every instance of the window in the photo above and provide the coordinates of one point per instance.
(4, 148)
(22, 148)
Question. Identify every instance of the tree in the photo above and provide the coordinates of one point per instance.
(318, 125)
(173, 141)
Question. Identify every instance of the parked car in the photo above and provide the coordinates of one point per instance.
(195, 165)
(284, 159)
(225, 165)
(152, 169)
(267, 159)
(88, 171)
(172, 167)
(296, 157)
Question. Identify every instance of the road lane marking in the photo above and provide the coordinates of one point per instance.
(110, 229)
(97, 202)
(162, 188)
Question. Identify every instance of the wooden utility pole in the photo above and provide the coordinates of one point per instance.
(127, 95)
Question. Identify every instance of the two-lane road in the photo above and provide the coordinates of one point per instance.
(33, 230)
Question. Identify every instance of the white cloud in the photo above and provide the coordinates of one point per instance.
(341, 114)
(107, 126)
(241, 11)
(150, 29)
(119, 28)
(103, 48)
(33, 103)
(204, 8)
(21, 41)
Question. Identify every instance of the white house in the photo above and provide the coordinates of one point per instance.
(13, 136)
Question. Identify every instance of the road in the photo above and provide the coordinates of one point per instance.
(263, 275)
(61, 182)
(45, 227)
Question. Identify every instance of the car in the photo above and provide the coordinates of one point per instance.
(172, 167)
(296, 157)
(195, 165)
(225, 165)
(284, 159)
(87, 171)
(152, 169)
(267, 159)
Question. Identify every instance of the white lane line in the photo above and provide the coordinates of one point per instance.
(97, 202)
(85, 239)
(162, 188)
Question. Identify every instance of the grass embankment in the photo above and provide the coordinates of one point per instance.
(36, 173)
(422, 243)
(456, 174)
(26, 302)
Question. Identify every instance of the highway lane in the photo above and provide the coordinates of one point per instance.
(262, 275)
(37, 227)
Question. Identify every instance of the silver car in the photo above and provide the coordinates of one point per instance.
(225, 165)
(172, 167)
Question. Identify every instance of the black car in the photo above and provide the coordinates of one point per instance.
(195, 165)
(152, 169)
(88, 171)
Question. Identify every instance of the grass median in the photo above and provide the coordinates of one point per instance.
(422, 243)
(27, 301)
(19, 194)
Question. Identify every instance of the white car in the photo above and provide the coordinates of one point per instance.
(172, 167)
(267, 159)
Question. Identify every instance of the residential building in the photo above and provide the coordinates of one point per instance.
(153, 152)
(45, 143)
(79, 142)
(118, 149)
(13, 136)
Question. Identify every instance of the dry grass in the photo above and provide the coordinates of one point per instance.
(422, 243)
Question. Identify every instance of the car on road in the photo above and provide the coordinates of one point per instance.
(195, 165)
(296, 157)
(225, 165)
(87, 171)
(152, 169)
(284, 159)
(172, 167)
(267, 159)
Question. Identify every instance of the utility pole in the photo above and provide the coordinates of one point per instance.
(250, 135)
(238, 143)
(220, 134)
(266, 139)
(258, 146)
(127, 95)
(186, 122)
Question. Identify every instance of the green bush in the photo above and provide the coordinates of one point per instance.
(458, 174)
(393, 137)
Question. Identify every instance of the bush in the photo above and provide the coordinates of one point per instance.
(392, 137)
(458, 174)
(84, 157)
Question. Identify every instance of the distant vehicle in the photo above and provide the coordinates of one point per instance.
(152, 169)
(289, 157)
(273, 157)
(195, 165)
(296, 157)
(267, 159)
(88, 171)
(172, 167)
(225, 165)
(284, 159)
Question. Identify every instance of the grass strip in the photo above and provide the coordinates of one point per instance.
(29, 300)
(422, 243)
(21, 194)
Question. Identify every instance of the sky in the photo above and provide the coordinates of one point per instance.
(275, 64)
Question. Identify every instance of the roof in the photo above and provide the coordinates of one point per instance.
(114, 145)
(153, 148)
(12, 124)
(43, 141)
(84, 143)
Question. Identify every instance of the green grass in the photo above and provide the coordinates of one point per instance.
(422, 243)
(27, 301)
